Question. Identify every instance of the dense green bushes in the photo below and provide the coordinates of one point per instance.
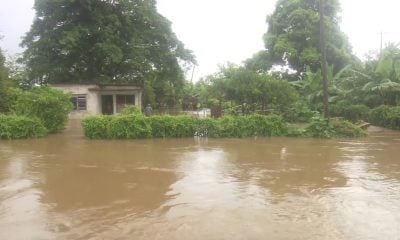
(137, 126)
(386, 116)
(354, 113)
(35, 112)
(335, 128)
(50, 105)
(17, 127)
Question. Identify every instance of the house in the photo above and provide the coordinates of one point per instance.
(91, 99)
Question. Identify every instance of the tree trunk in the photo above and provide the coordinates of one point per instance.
(323, 57)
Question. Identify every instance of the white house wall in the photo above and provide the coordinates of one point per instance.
(93, 96)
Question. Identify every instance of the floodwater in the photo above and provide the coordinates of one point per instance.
(67, 187)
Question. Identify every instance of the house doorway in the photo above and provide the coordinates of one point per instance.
(107, 104)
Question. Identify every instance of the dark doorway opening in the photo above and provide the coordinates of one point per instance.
(107, 104)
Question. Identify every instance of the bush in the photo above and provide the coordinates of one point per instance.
(18, 127)
(298, 113)
(173, 126)
(322, 128)
(50, 105)
(345, 128)
(131, 109)
(386, 116)
(130, 127)
(97, 127)
(133, 126)
(354, 113)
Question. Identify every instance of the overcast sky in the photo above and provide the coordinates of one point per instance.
(229, 30)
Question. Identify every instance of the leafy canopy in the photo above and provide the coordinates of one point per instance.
(293, 37)
(107, 41)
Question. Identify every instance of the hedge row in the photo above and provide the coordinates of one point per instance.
(139, 126)
(17, 127)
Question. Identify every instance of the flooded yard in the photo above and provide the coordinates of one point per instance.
(67, 187)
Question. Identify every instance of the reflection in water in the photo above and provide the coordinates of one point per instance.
(67, 187)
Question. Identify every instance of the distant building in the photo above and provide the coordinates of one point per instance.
(92, 99)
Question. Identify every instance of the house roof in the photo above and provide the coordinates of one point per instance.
(100, 87)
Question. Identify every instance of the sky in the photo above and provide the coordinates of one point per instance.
(220, 31)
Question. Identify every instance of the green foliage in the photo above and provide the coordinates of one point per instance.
(320, 128)
(293, 35)
(173, 126)
(345, 128)
(353, 113)
(334, 128)
(250, 126)
(298, 113)
(148, 94)
(132, 126)
(97, 127)
(386, 116)
(131, 109)
(107, 41)
(247, 92)
(18, 127)
(50, 105)
(5, 98)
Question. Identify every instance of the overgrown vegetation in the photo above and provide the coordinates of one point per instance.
(17, 127)
(50, 105)
(334, 128)
(137, 126)
(34, 112)
(386, 116)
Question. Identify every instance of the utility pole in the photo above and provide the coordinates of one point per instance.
(324, 69)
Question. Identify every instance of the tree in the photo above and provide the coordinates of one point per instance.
(4, 85)
(293, 35)
(108, 41)
(250, 91)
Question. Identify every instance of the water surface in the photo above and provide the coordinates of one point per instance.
(66, 187)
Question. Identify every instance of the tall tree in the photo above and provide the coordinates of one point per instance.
(4, 85)
(107, 41)
(293, 35)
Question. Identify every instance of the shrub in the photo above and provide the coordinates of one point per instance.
(50, 105)
(131, 109)
(354, 113)
(386, 116)
(345, 128)
(130, 127)
(322, 128)
(97, 127)
(17, 127)
(167, 126)
(134, 126)
(298, 113)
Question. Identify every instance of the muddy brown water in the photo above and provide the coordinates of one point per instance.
(66, 187)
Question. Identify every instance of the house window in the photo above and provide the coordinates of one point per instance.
(79, 102)
(123, 100)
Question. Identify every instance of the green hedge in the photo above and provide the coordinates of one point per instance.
(138, 126)
(386, 116)
(18, 127)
